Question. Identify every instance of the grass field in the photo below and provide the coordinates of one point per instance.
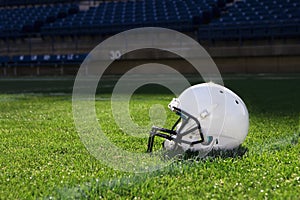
(42, 155)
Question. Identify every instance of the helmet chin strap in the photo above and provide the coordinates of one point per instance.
(205, 147)
(176, 149)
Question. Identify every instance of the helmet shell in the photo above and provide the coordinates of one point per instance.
(222, 114)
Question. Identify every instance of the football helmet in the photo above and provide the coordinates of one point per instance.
(210, 117)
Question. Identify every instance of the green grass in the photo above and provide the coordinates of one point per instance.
(42, 155)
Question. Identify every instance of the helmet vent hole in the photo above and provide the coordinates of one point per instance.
(236, 101)
(221, 92)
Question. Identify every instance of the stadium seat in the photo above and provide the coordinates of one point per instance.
(247, 19)
(4, 60)
(16, 22)
(32, 2)
(111, 17)
(256, 20)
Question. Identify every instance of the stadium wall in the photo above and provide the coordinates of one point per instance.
(263, 64)
(243, 65)
(277, 56)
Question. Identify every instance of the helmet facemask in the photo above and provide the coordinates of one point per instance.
(185, 135)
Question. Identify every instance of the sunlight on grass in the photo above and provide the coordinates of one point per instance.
(42, 155)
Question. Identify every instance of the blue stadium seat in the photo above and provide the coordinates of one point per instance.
(32, 2)
(4, 60)
(258, 20)
(23, 21)
(111, 17)
(247, 19)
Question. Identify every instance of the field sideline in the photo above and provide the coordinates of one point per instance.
(42, 155)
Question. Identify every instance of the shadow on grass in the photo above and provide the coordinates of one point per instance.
(238, 152)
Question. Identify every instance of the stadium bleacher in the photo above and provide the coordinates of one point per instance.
(212, 20)
(17, 22)
(33, 2)
(113, 17)
(255, 19)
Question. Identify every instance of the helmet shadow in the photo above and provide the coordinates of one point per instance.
(238, 152)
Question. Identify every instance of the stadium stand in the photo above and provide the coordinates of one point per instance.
(255, 19)
(32, 2)
(211, 18)
(113, 17)
(52, 25)
(17, 22)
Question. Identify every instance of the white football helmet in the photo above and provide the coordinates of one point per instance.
(211, 117)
